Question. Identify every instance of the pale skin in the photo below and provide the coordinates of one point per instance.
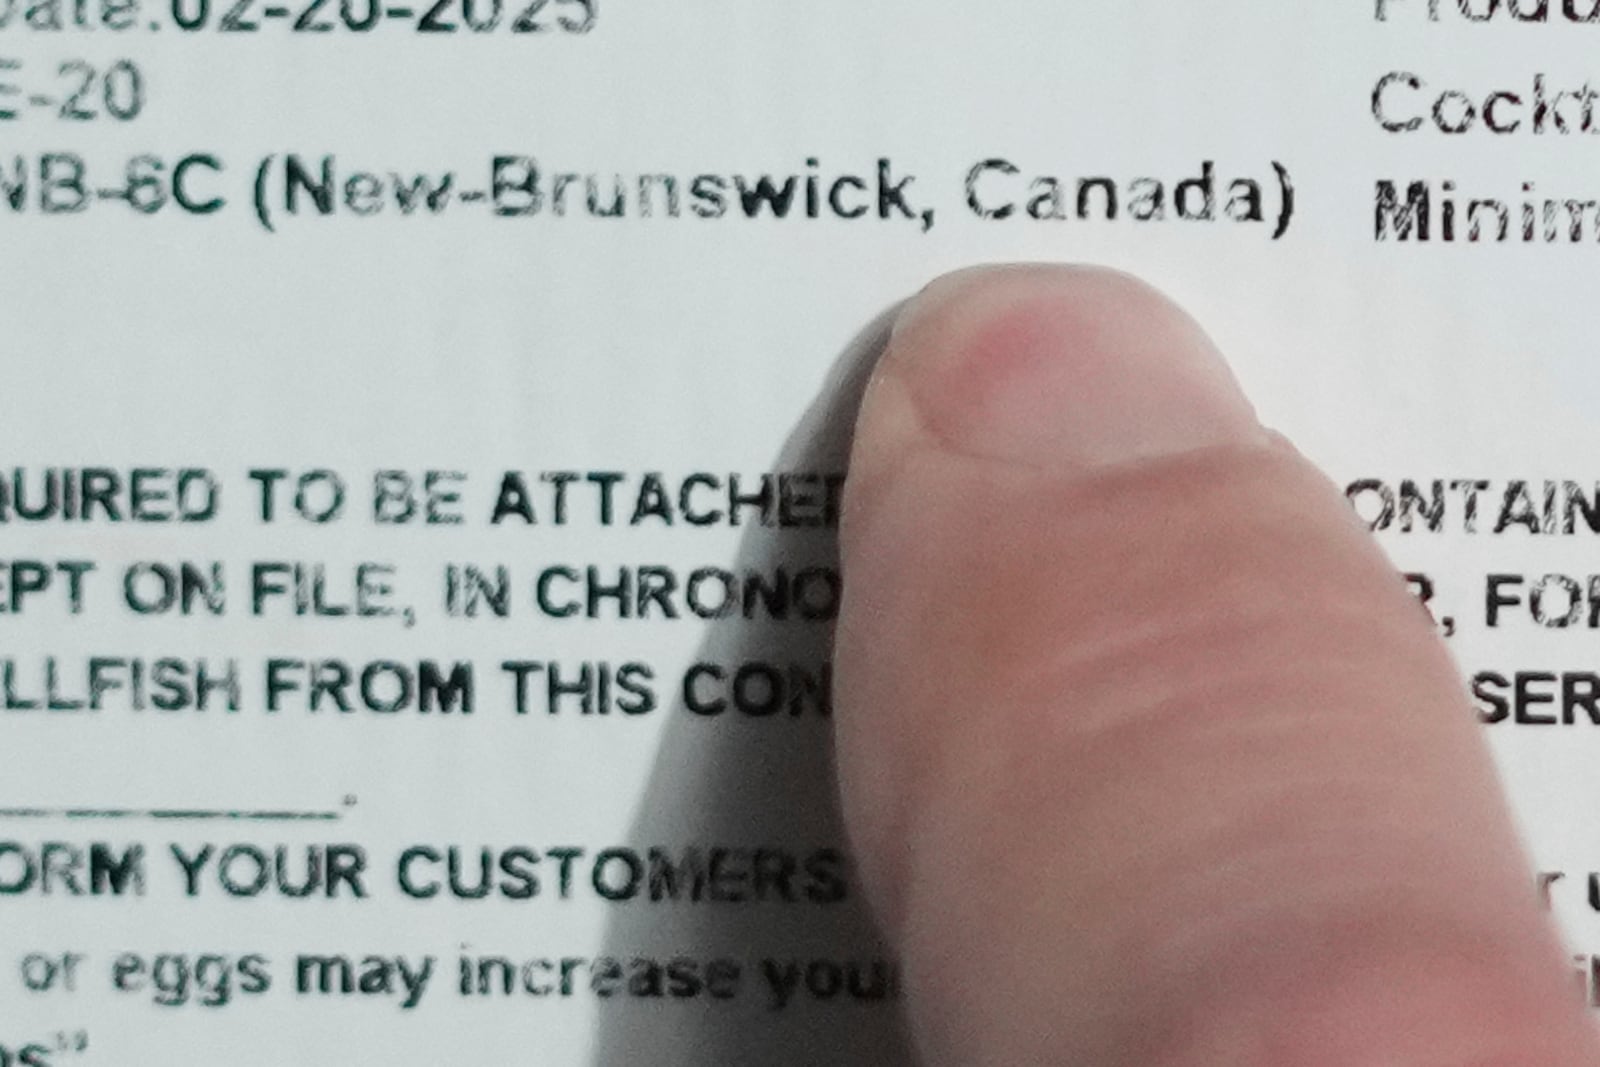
(1149, 757)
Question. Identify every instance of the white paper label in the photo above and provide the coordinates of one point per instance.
(423, 427)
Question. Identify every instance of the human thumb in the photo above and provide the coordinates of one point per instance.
(1147, 754)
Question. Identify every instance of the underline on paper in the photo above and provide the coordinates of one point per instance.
(171, 814)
